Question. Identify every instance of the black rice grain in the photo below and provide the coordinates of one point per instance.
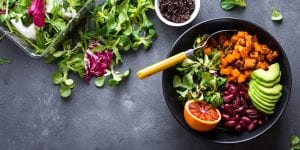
(177, 11)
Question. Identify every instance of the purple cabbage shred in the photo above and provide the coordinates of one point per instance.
(96, 63)
(37, 12)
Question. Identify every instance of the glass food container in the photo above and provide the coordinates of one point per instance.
(27, 48)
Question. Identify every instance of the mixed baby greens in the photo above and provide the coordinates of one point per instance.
(39, 22)
(198, 78)
(118, 27)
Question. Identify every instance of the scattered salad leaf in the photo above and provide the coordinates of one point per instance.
(295, 143)
(276, 15)
(230, 4)
(100, 81)
(5, 61)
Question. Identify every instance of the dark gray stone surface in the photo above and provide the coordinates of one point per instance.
(133, 115)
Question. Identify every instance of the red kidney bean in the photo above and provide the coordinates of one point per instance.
(243, 101)
(227, 85)
(242, 123)
(237, 111)
(250, 127)
(251, 111)
(254, 122)
(226, 117)
(243, 87)
(260, 122)
(236, 117)
(236, 102)
(253, 117)
(233, 90)
(238, 128)
(240, 110)
(230, 124)
(228, 98)
(244, 94)
(226, 92)
(246, 119)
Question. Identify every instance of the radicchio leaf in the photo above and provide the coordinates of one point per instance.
(2, 11)
(96, 63)
(37, 12)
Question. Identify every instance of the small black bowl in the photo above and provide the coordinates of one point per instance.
(185, 41)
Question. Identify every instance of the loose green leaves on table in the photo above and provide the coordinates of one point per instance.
(295, 143)
(230, 4)
(276, 15)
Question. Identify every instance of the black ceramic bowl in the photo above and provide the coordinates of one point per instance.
(185, 41)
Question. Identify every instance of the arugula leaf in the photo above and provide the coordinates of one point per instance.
(5, 61)
(276, 15)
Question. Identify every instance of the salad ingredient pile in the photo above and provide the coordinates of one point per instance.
(223, 73)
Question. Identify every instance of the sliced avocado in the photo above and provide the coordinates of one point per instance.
(274, 98)
(264, 97)
(268, 76)
(266, 103)
(275, 90)
(266, 84)
(258, 106)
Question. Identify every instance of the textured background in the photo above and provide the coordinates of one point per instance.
(133, 115)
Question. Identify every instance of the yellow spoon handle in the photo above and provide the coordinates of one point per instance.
(162, 65)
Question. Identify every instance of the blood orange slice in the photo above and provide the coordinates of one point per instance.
(201, 116)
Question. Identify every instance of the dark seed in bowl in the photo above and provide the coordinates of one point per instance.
(177, 11)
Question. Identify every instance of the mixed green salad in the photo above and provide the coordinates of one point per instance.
(198, 77)
(39, 22)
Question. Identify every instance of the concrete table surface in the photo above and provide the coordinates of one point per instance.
(133, 115)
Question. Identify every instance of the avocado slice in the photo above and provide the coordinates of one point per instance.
(259, 107)
(275, 90)
(268, 76)
(266, 84)
(271, 98)
(264, 97)
(266, 103)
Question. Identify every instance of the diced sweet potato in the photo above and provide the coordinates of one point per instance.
(226, 71)
(250, 63)
(241, 78)
(235, 73)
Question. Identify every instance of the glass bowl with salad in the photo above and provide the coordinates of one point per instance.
(37, 26)
(232, 90)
